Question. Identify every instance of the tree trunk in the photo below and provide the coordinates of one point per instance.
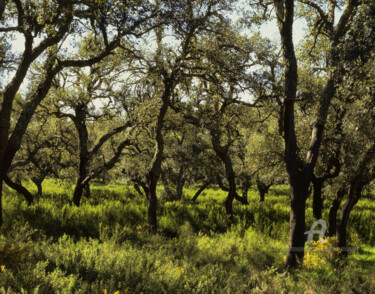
(180, 182)
(261, 195)
(222, 153)
(201, 189)
(78, 192)
(20, 189)
(263, 190)
(80, 124)
(297, 226)
(317, 197)
(334, 208)
(1, 202)
(354, 194)
(245, 190)
(88, 190)
(152, 180)
(38, 183)
(154, 171)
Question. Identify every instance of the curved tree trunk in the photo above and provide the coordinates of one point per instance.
(222, 153)
(354, 194)
(334, 208)
(200, 190)
(20, 189)
(154, 171)
(317, 197)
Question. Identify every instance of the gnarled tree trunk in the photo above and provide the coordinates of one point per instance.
(355, 191)
(20, 189)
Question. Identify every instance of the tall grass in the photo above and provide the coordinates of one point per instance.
(55, 247)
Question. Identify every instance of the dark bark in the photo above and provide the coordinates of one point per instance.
(38, 182)
(317, 197)
(334, 208)
(222, 153)
(180, 183)
(262, 189)
(300, 173)
(20, 189)
(297, 226)
(88, 190)
(200, 190)
(80, 123)
(152, 180)
(355, 191)
(154, 170)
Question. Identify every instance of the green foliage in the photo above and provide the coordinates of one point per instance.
(106, 244)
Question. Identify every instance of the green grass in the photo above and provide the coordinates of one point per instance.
(54, 247)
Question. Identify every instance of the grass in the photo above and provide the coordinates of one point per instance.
(105, 245)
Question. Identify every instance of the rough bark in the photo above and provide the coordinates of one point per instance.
(154, 170)
(80, 123)
(20, 189)
(300, 173)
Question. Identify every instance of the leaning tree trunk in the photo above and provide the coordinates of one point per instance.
(334, 208)
(354, 194)
(200, 190)
(20, 189)
(317, 197)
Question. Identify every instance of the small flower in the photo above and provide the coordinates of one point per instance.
(179, 270)
(2, 268)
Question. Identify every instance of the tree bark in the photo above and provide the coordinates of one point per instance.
(334, 208)
(38, 183)
(20, 189)
(80, 124)
(152, 180)
(200, 190)
(154, 170)
(317, 197)
(222, 153)
(297, 226)
(355, 191)
(262, 189)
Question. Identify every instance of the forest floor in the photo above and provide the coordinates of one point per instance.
(105, 246)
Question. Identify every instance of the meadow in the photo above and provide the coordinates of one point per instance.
(105, 245)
